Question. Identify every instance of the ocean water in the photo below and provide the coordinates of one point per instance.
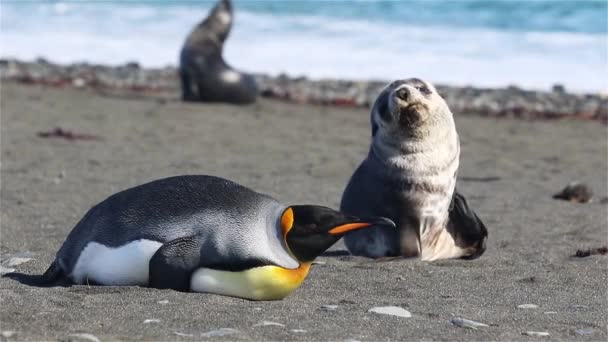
(532, 44)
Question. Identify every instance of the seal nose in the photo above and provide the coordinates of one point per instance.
(403, 93)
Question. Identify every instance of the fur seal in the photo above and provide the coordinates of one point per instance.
(200, 233)
(204, 74)
(409, 176)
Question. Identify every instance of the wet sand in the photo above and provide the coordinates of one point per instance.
(302, 154)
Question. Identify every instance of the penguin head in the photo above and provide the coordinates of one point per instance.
(309, 230)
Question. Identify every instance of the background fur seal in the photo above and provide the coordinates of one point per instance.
(409, 176)
(204, 74)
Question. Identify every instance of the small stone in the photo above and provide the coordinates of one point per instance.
(182, 334)
(78, 82)
(4, 270)
(584, 331)
(400, 277)
(153, 320)
(298, 331)
(467, 323)
(220, 332)
(527, 306)
(329, 307)
(575, 192)
(319, 263)
(391, 310)
(8, 333)
(269, 323)
(579, 306)
(16, 261)
(558, 88)
(164, 301)
(83, 338)
(536, 333)
(550, 312)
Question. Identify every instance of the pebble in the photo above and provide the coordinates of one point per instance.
(299, 331)
(16, 261)
(319, 263)
(8, 333)
(391, 310)
(164, 301)
(528, 306)
(83, 338)
(550, 312)
(467, 323)
(329, 307)
(575, 192)
(153, 320)
(584, 331)
(4, 270)
(269, 323)
(536, 333)
(182, 334)
(220, 332)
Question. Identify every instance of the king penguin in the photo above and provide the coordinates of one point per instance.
(203, 234)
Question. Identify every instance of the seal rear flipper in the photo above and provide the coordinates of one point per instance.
(174, 262)
(467, 228)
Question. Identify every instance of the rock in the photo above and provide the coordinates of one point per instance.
(575, 192)
(83, 337)
(467, 323)
(550, 312)
(391, 310)
(153, 320)
(536, 333)
(527, 306)
(8, 333)
(269, 323)
(579, 306)
(584, 331)
(16, 261)
(318, 262)
(558, 88)
(182, 334)
(4, 270)
(220, 332)
(329, 307)
(298, 331)
(164, 301)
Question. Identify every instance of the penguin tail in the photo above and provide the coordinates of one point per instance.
(52, 277)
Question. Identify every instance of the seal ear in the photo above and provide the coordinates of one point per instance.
(380, 110)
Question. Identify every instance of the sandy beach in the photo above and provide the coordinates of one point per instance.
(301, 153)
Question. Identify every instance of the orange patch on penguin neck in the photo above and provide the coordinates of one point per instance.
(286, 221)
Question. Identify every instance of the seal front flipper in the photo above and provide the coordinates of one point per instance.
(466, 227)
(174, 262)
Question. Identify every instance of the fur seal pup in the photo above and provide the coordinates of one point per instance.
(204, 74)
(409, 176)
(200, 233)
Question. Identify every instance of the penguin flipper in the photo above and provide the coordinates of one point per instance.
(174, 262)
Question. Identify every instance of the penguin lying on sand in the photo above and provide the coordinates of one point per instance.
(200, 233)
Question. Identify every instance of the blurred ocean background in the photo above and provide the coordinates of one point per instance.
(532, 44)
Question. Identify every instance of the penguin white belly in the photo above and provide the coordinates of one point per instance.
(259, 283)
(124, 265)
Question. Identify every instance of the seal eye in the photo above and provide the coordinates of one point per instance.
(423, 89)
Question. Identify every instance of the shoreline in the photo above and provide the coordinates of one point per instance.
(132, 79)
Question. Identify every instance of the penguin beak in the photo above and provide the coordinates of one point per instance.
(361, 223)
